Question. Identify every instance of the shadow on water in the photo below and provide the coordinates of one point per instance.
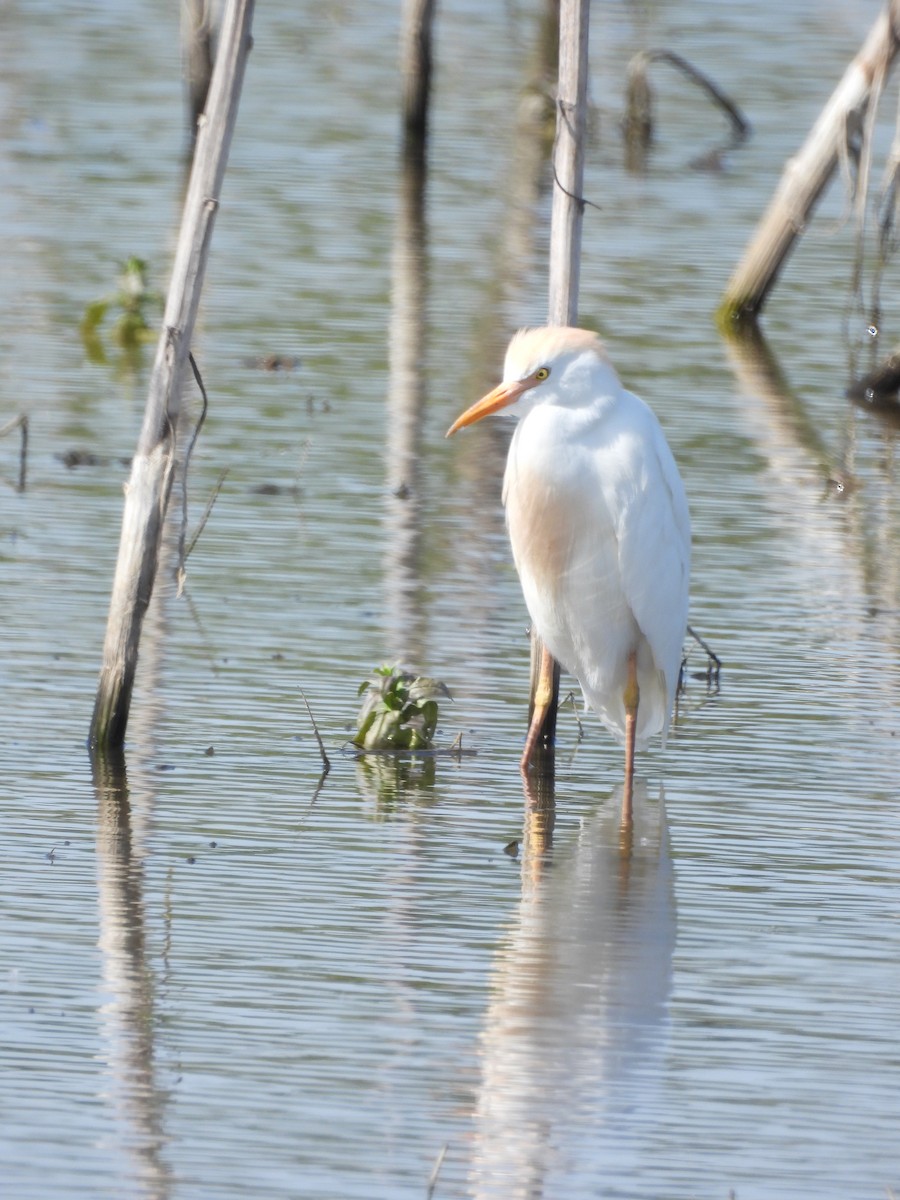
(126, 1016)
(575, 1031)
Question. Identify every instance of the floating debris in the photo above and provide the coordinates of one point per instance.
(272, 362)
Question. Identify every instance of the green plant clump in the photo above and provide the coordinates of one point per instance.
(131, 303)
(399, 711)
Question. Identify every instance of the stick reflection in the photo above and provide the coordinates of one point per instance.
(403, 566)
(840, 522)
(127, 1018)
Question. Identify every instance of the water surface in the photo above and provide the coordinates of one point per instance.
(219, 981)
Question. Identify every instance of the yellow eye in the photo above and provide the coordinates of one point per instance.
(541, 374)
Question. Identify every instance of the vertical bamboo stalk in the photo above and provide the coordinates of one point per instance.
(568, 162)
(565, 223)
(147, 492)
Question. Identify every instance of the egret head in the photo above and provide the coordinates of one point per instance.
(538, 363)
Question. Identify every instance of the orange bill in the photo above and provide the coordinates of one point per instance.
(500, 397)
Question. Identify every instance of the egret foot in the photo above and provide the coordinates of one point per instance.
(543, 698)
(631, 696)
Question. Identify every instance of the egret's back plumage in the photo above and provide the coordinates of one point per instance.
(599, 526)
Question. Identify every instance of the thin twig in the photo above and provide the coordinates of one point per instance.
(204, 637)
(223, 474)
(436, 1170)
(739, 124)
(19, 422)
(318, 788)
(712, 674)
(182, 555)
(578, 199)
(326, 762)
(864, 168)
(21, 419)
(886, 214)
(571, 697)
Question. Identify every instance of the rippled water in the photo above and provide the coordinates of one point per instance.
(221, 979)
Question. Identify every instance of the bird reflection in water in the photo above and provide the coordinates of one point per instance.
(574, 1035)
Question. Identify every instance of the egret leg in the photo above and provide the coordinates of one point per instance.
(543, 698)
(630, 697)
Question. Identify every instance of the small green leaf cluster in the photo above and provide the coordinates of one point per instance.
(131, 303)
(399, 711)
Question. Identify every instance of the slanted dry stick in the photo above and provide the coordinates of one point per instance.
(148, 490)
(807, 174)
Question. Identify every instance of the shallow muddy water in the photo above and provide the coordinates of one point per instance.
(219, 979)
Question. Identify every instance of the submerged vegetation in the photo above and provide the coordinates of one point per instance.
(131, 328)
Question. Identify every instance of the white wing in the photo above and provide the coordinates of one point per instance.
(654, 531)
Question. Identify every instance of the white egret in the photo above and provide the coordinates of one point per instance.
(600, 532)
